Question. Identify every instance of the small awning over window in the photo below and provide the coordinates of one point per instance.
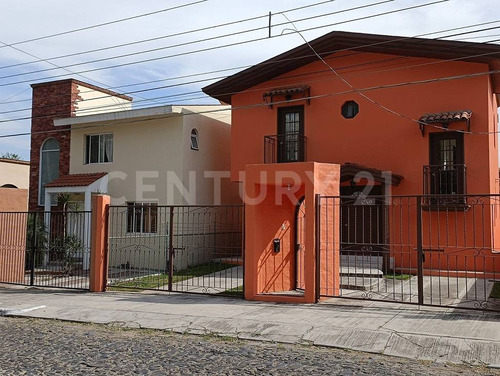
(288, 93)
(444, 118)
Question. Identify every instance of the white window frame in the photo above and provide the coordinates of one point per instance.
(195, 135)
(131, 228)
(88, 148)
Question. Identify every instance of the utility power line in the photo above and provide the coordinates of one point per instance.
(232, 34)
(231, 44)
(220, 77)
(211, 27)
(103, 24)
(260, 104)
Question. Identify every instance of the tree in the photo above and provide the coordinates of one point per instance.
(10, 156)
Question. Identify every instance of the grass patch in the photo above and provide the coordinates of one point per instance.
(158, 280)
(398, 276)
(495, 291)
(235, 291)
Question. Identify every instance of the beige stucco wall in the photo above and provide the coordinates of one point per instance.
(143, 152)
(213, 124)
(14, 172)
(150, 153)
(97, 102)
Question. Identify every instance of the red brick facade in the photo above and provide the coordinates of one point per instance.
(51, 100)
(54, 100)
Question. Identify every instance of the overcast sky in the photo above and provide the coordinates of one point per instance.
(23, 20)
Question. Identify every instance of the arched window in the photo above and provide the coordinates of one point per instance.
(8, 186)
(49, 166)
(194, 139)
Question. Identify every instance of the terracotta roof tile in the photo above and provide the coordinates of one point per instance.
(285, 91)
(75, 180)
(446, 117)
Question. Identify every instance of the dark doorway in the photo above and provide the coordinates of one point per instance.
(291, 134)
(364, 223)
(300, 240)
(446, 159)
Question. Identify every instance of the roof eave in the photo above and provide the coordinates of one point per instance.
(338, 41)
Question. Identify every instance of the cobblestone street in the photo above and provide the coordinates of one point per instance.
(46, 347)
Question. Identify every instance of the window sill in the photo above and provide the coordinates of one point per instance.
(97, 163)
(137, 235)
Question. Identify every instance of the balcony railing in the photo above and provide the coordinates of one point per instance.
(283, 148)
(446, 184)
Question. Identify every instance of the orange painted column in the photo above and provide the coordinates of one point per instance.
(272, 192)
(98, 247)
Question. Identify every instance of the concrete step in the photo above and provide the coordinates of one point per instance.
(361, 272)
(362, 261)
(351, 282)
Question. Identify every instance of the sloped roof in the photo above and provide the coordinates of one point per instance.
(75, 180)
(349, 170)
(340, 40)
(15, 161)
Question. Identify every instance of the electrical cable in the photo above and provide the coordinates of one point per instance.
(228, 45)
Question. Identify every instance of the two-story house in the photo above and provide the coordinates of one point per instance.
(86, 139)
(411, 122)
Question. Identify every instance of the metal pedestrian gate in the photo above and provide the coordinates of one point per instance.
(426, 250)
(194, 249)
(49, 249)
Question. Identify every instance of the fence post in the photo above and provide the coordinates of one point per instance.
(317, 245)
(171, 249)
(420, 253)
(33, 249)
(98, 245)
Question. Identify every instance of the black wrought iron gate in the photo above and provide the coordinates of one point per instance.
(195, 249)
(426, 250)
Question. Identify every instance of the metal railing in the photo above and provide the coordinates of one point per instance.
(282, 148)
(194, 249)
(446, 181)
(393, 249)
(50, 249)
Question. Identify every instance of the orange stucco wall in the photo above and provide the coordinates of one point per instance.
(13, 219)
(379, 138)
(375, 137)
(272, 192)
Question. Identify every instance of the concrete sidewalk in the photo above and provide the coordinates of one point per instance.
(392, 329)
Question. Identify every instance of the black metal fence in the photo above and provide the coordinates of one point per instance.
(50, 249)
(194, 249)
(412, 249)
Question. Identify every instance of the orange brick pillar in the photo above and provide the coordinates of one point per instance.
(98, 245)
(272, 192)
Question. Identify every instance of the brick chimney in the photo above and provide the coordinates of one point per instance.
(58, 100)
(51, 100)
